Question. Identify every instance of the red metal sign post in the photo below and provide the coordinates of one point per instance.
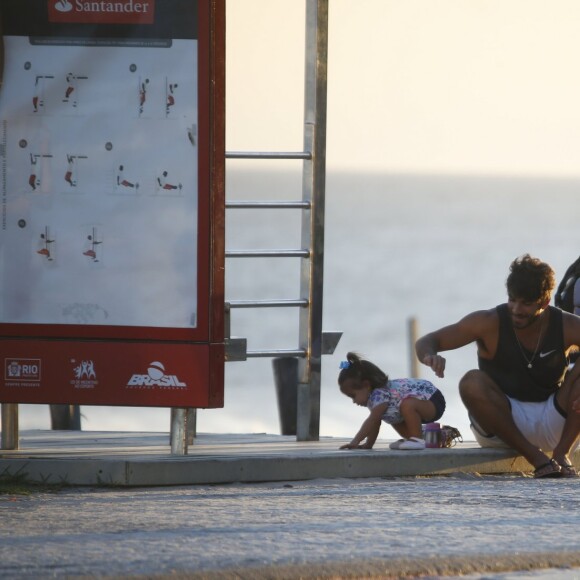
(112, 198)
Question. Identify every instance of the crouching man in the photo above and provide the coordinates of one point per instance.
(523, 395)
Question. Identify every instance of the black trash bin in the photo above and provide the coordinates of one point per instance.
(286, 379)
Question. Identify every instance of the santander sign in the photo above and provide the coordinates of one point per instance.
(102, 11)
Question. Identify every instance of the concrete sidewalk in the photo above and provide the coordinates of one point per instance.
(400, 527)
(144, 459)
(349, 517)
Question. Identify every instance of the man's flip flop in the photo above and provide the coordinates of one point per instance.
(568, 470)
(549, 469)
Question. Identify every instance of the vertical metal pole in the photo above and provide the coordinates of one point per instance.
(191, 425)
(179, 438)
(10, 426)
(413, 336)
(313, 190)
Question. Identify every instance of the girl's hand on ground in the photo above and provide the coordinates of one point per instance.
(354, 446)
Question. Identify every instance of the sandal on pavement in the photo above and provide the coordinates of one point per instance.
(568, 470)
(549, 469)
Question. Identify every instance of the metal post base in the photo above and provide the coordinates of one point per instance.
(183, 426)
(10, 426)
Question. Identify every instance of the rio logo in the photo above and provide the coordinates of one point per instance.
(27, 369)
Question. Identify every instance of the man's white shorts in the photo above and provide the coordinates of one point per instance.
(540, 423)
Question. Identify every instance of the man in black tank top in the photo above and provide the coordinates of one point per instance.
(524, 394)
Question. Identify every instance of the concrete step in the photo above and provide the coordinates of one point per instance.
(144, 459)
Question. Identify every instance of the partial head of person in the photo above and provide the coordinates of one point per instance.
(358, 377)
(531, 279)
(529, 286)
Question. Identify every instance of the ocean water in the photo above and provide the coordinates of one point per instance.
(397, 247)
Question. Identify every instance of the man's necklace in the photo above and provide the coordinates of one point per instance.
(530, 360)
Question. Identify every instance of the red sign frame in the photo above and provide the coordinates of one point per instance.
(139, 365)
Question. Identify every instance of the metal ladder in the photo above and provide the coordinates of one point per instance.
(313, 342)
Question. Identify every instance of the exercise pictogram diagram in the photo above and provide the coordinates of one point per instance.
(34, 180)
(39, 92)
(163, 183)
(169, 96)
(71, 175)
(122, 182)
(143, 87)
(92, 249)
(45, 245)
(71, 93)
(99, 139)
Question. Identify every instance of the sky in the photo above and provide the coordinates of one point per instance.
(415, 86)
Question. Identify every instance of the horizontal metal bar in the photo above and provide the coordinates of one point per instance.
(299, 352)
(267, 253)
(268, 204)
(266, 303)
(266, 155)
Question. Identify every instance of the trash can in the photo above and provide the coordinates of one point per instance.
(286, 380)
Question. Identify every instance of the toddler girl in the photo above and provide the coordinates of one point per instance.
(403, 403)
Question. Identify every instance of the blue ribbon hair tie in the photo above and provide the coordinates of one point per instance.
(344, 364)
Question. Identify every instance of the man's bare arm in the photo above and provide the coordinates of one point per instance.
(477, 326)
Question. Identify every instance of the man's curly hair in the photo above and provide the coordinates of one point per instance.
(530, 279)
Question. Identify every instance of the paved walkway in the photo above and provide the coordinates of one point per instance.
(318, 513)
(144, 459)
(322, 528)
